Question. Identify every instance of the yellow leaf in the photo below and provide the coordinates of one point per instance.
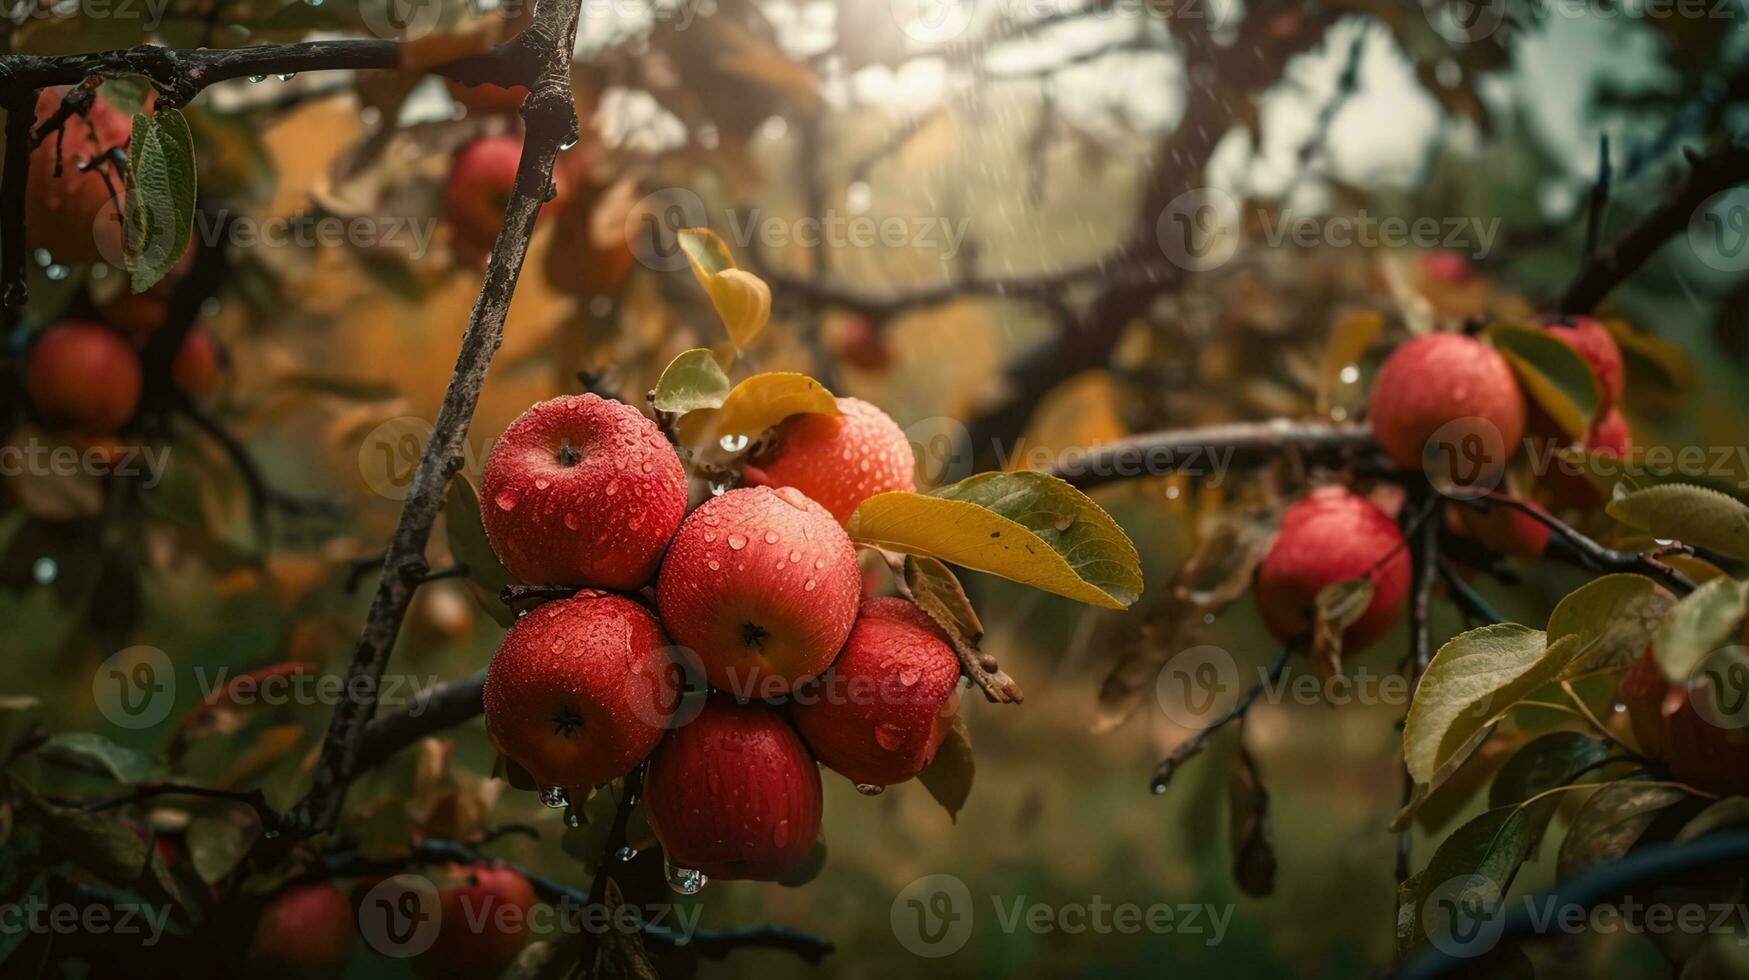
(757, 404)
(1349, 339)
(741, 299)
(1028, 527)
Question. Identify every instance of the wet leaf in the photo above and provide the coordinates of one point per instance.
(691, 382)
(1474, 867)
(1705, 620)
(160, 195)
(1552, 373)
(1693, 515)
(1611, 822)
(948, 776)
(1612, 617)
(95, 753)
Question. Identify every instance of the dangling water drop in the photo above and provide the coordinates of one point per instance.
(258, 78)
(626, 853)
(684, 881)
(554, 797)
(733, 444)
(870, 789)
(573, 819)
(286, 76)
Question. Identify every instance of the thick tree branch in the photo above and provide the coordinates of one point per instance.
(1607, 266)
(1213, 447)
(551, 123)
(441, 707)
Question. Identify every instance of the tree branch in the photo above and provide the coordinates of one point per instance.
(1218, 446)
(441, 707)
(1192, 746)
(1606, 267)
(551, 123)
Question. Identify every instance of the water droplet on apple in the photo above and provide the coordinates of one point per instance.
(542, 484)
(780, 834)
(908, 677)
(889, 737)
(573, 819)
(771, 537)
(506, 500)
(573, 522)
(737, 541)
(554, 796)
(809, 585)
(684, 881)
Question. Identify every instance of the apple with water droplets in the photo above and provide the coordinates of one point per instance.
(1709, 753)
(580, 490)
(880, 713)
(1449, 399)
(72, 200)
(837, 460)
(1326, 537)
(763, 585)
(581, 690)
(734, 793)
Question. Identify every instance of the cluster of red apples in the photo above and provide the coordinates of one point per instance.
(84, 376)
(757, 595)
(1426, 384)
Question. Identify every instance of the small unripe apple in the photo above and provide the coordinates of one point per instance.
(483, 925)
(734, 793)
(1435, 380)
(486, 97)
(880, 713)
(763, 585)
(306, 930)
(1332, 536)
(1506, 530)
(63, 203)
(1591, 340)
(196, 364)
(83, 376)
(838, 460)
(581, 490)
(1669, 728)
(578, 692)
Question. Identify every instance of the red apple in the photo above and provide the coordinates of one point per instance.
(83, 376)
(1592, 341)
(196, 364)
(1506, 530)
(734, 794)
(63, 203)
(1332, 536)
(838, 460)
(578, 692)
(1446, 380)
(864, 345)
(581, 490)
(305, 931)
(763, 584)
(478, 189)
(1669, 728)
(484, 923)
(880, 713)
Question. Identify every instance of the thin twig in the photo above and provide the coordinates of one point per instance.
(1190, 747)
(1424, 552)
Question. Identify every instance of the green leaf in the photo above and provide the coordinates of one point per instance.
(1474, 866)
(1552, 373)
(1613, 618)
(1611, 822)
(690, 382)
(1687, 513)
(1474, 678)
(216, 845)
(1550, 761)
(97, 841)
(160, 195)
(468, 545)
(1028, 527)
(938, 592)
(1705, 620)
(94, 753)
(948, 777)
(126, 92)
